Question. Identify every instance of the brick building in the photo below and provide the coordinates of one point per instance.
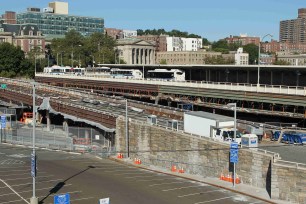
(242, 40)
(9, 17)
(26, 36)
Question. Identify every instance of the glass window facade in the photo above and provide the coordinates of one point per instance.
(56, 25)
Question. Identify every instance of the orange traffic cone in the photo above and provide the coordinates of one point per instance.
(135, 160)
(139, 161)
(173, 169)
(237, 179)
(222, 177)
(228, 178)
(181, 170)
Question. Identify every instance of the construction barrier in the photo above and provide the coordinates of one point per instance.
(181, 170)
(120, 156)
(229, 178)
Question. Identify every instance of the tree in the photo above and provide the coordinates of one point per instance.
(281, 62)
(163, 61)
(252, 49)
(220, 46)
(12, 61)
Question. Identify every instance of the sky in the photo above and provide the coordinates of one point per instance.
(211, 19)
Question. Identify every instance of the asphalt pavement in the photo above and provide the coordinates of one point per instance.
(88, 179)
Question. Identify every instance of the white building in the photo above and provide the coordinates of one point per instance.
(183, 44)
(241, 58)
(129, 34)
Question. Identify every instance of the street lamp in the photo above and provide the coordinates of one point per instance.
(34, 199)
(235, 120)
(258, 72)
(235, 125)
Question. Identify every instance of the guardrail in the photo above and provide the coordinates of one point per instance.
(291, 164)
(261, 88)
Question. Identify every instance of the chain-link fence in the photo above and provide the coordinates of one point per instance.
(74, 139)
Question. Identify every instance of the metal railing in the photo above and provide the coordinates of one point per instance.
(262, 88)
(73, 139)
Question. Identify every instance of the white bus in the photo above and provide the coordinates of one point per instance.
(126, 73)
(57, 70)
(166, 74)
(98, 71)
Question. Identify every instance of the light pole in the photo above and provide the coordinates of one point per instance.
(34, 199)
(127, 129)
(61, 58)
(235, 118)
(235, 125)
(258, 72)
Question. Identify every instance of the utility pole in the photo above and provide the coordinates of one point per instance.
(34, 199)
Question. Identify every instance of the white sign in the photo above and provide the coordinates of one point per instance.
(97, 137)
(104, 201)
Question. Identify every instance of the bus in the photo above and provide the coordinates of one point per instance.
(126, 73)
(98, 71)
(57, 70)
(166, 74)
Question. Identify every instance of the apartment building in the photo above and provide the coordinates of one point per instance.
(294, 30)
(185, 57)
(184, 44)
(242, 40)
(9, 17)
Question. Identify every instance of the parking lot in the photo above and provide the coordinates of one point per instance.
(88, 179)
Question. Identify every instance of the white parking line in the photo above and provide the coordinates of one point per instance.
(27, 178)
(192, 194)
(131, 173)
(14, 191)
(13, 170)
(209, 201)
(37, 189)
(159, 179)
(140, 176)
(256, 202)
(15, 167)
(173, 189)
(41, 172)
(24, 184)
(12, 201)
(159, 184)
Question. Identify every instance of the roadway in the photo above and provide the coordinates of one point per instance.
(88, 179)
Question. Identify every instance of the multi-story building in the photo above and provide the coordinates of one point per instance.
(54, 21)
(267, 59)
(160, 41)
(26, 36)
(274, 46)
(114, 33)
(294, 30)
(292, 59)
(241, 58)
(183, 44)
(185, 57)
(242, 40)
(135, 51)
(129, 34)
(9, 17)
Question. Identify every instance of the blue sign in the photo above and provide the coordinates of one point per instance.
(3, 121)
(62, 199)
(33, 165)
(234, 152)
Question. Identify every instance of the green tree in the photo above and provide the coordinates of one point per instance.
(220, 46)
(281, 62)
(12, 61)
(163, 61)
(252, 49)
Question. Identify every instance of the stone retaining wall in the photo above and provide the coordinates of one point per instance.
(201, 156)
